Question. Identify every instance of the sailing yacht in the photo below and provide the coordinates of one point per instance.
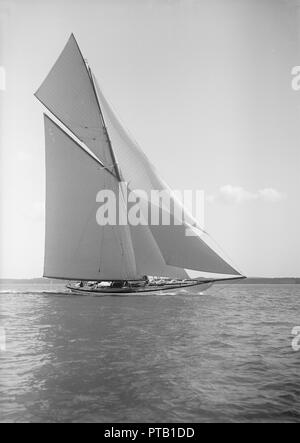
(88, 150)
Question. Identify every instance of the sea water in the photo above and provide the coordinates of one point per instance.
(225, 355)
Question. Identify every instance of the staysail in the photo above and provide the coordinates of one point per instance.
(77, 247)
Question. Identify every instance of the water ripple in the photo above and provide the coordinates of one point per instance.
(222, 356)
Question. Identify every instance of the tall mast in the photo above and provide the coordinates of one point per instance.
(115, 164)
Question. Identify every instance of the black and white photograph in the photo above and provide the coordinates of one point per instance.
(149, 214)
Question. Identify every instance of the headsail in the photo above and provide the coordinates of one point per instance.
(149, 259)
(76, 246)
(178, 250)
(68, 93)
(189, 252)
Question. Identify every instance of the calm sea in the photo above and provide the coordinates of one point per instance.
(225, 355)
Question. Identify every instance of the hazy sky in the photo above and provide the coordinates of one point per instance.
(205, 88)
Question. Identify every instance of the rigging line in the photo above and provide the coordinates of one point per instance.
(119, 120)
(224, 253)
(101, 237)
(83, 148)
(116, 167)
(129, 257)
(118, 237)
(120, 125)
(226, 256)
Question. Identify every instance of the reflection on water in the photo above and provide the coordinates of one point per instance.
(222, 356)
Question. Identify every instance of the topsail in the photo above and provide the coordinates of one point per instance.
(88, 150)
(69, 94)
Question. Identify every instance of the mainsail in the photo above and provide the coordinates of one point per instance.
(81, 164)
(77, 247)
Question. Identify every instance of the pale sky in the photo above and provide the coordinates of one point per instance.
(205, 88)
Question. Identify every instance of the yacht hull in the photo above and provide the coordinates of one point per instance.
(137, 290)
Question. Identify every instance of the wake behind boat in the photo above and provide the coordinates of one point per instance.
(88, 152)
